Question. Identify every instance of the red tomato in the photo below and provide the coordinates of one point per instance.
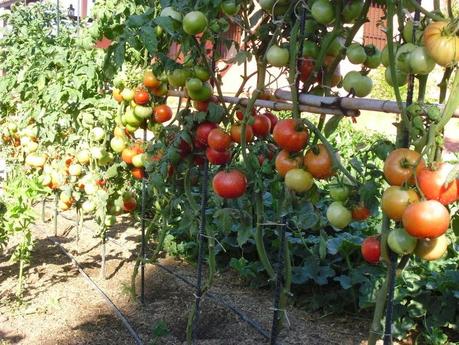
(371, 249)
(261, 126)
(426, 219)
(433, 183)
(400, 165)
(219, 140)
(272, 118)
(319, 164)
(290, 135)
(236, 132)
(218, 157)
(284, 162)
(198, 160)
(201, 106)
(240, 114)
(129, 203)
(138, 173)
(203, 130)
(184, 148)
(306, 68)
(229, 184)
(141, 96)
(162, 113)
(360, 212)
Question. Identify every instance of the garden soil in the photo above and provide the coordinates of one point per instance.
(60, 308)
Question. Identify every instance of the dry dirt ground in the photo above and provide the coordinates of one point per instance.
(60, 308)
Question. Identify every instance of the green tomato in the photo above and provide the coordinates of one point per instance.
(299, 180)
(402, 78)
(408, 30)
(230, 8)
(98, 134)
(138, 160)
(339, 193)
(352, 10)
(130, 119)
(194, 84)
(201, 73)
(407, 5)
(420, 62)
(194, 23)
(357, 83)
(118, 144)
(385, 54)
(373, 56)
(202, 95)
(335, 46)
(356, 54)
(88, 206)
(402, 57)
(177, 78)
(143, 112)
(98, 152)
(127, 94)
(267, 5)
(310, 49)
(277, 56)
(323, 12)
(338, 215)
(400, 242)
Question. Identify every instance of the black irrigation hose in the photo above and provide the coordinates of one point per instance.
(216, 298)
(107, 299)
(219, 300)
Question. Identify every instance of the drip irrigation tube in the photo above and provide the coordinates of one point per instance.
(216, 298)
(107, 299)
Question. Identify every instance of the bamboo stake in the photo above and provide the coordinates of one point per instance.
(278, 105)
(348, 103)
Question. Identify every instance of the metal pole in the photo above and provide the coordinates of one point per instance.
(142, 251)
(78, 16)
(390, 299)
(56, 212)
(279, 286)
(58, 17)
(43, 210)
(202, 231)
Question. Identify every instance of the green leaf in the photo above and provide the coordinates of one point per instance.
(148, 38)
(332, 124)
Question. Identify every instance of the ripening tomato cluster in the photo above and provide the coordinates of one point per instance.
(217, 143)
(416, 201)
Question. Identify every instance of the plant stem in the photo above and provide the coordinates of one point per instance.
(260, 245)
(402, 139)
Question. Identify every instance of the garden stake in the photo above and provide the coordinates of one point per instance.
(56, 213)
(279, 286)
(43, 210)
(104, 251)
(142, 251)
(390, 299)
(202, 232)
